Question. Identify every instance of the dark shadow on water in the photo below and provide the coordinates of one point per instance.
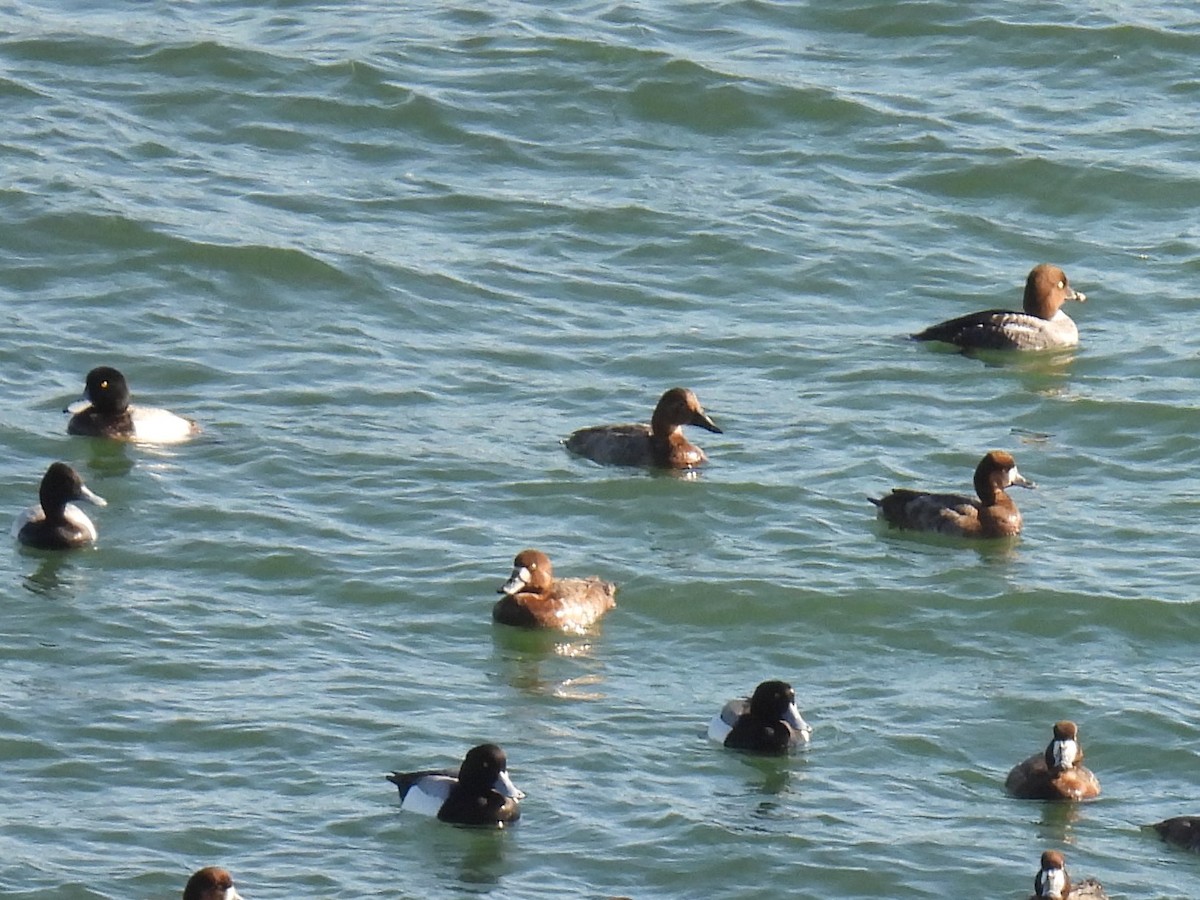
(52, 573)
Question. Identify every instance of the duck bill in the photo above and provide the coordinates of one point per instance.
(506, 788)
(701, 419)
(77, 406)
(517, 582)
(793, 718)
(1077, 295)
(1016, 478)
(86, 493)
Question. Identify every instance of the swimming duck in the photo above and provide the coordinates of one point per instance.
(211, 883)
(1042, 324)
(1057, 773)
(994, 514)
(1053, 883)
(105, 411)
(1182, 831)
(534, 598)
(479, 793)
(766, 722)
(55, 523)
(660, 444)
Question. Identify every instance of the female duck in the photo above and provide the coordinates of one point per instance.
(56, 523)
(211, 883)
(1041, 325)
(766, 722)
(480, 793)
(534, 598)
(105, 411)
(660, 444)
(1053, 883)
(1182, 831)
(1057, 773)
(994, 514)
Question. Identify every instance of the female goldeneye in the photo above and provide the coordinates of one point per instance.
(211, 883)
(105, 411)
(1057, 773)
(1041, 326)
(534, 598)
(660, 444)
(55, 522)
(994, 514)
(479, 793)
(766, 722)
(1053, 883)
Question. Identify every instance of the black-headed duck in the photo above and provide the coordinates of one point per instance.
(766, 722)
(105, 411)
(1041, 325)
(534, 598)
(1182, 831)
(994, 514)
(1057, 773)
(478, 793)
(661, 444)
(55, 523)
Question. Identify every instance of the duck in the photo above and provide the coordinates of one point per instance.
(661, 444)
(105, 411)
(1182, 831)
(1041, 325)
(1053, 883)
(55, 522)
(479, 793)
(1057, 773)
(766, 722)
(534, 598)
(211, 883)
(993, 515)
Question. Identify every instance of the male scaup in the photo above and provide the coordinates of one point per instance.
(1057, 773)
(660, 444)
(766, 722)
(105, 411)
(1042, 324)
(1053, 883)
(534, 598)
(479, 793)
(211, 883)
(994, 514)
(55, 523)
(1182, 831)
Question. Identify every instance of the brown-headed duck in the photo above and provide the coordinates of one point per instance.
(660, 444)
(1057, 773)
(534, 598)
(478, 793)
(766, 722)
(55, 523)
(1041, 326)
(994, 514)
(105, 411)
(1053, 883)
(211, 883)
(1182, 831)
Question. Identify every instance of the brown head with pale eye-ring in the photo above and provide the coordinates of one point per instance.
(532, 573)
(1046, 290)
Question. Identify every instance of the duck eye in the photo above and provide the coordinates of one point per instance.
(1062, 284)
(104, 384)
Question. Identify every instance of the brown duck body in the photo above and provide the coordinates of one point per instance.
(1040, 325)
(661, 444)
(534, 598)
(994, 514)
(1057, 773)
(1052, 882)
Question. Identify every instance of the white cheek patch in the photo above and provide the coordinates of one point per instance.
(1065, 753)
(1054, 882)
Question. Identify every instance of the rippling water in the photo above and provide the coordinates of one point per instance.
(390, 255)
